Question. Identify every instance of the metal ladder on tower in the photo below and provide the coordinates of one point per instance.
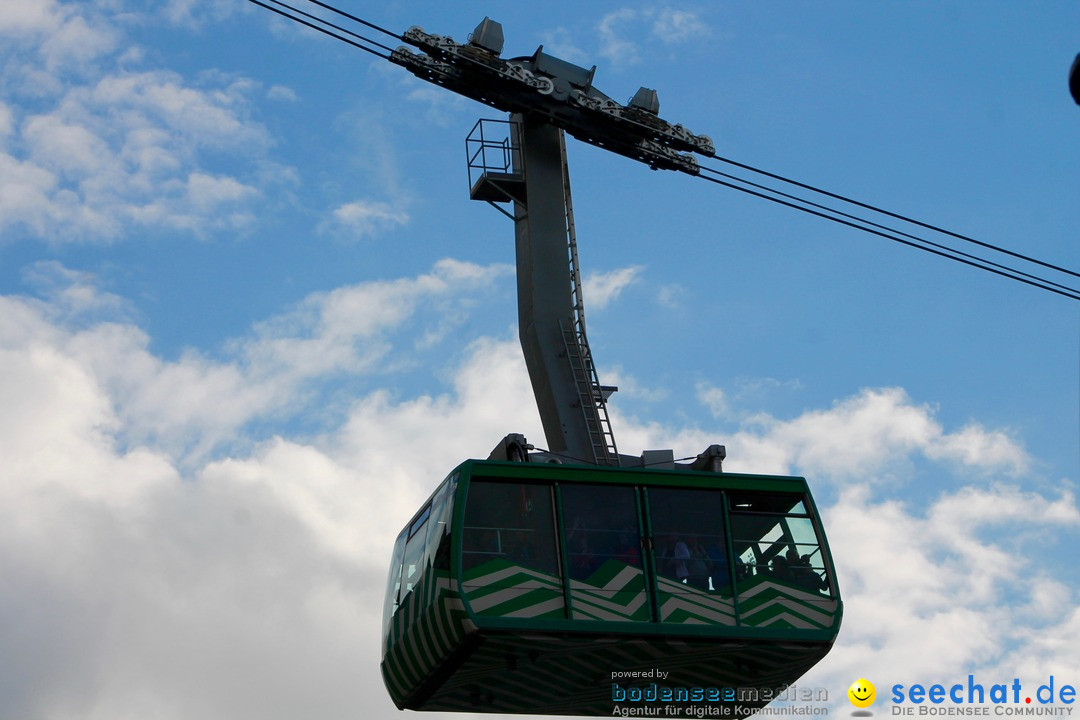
(592, 396)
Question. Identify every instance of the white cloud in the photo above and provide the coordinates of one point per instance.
(873, 436)
(973, 445)
(942, 592)
(212, 118)
(93, 150)
(19, 18)
(560, 43)
(745, 398)
(7, 121)
(679, 26)
(26, 196)
(715, 399)
(863, 434)
(630, 387)
(248, 586)
(207, 192)
(442, 108)
(613, 43)
(63, 36)
(65, 148)
(77, 40)
(363, 218)
(197, 13)
(282, 92)
(137, 584)
(622, 32)
(194, 404)
(71, 294)
(671, 296)
(603, 288)
(345, 330)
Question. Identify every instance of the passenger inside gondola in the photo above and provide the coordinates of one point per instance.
(698, 565)
(521, 551)
(681, 559)
(583, 560)
(803, 574)
(779, 568)
(629, 551)
(720, 578)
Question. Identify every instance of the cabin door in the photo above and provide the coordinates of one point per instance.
(647, 554)
(689, 559)
(606, 568)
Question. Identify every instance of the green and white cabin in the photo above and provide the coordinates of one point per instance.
(546, 588)
(524, 587)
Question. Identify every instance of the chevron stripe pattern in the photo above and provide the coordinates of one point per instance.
(426, 629)
(766, 602)
(499, 588)
(615, 591)
(521, 673)
(685, 604)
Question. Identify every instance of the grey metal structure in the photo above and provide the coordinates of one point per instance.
(551, 309)
(547, 89)
(527, 166)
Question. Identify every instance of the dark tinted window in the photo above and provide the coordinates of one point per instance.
(393, 583)
(510, 521)
(601, 525)
(412, 566)
(689, 537)
(437, 552)
(603, 551)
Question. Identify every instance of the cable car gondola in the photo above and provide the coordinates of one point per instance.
(529, 584)
(570, 589)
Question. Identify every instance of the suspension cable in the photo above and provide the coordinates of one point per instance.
(324, 30)
(867, 206)
(1010, 273)
(373, 26)
(921, 243)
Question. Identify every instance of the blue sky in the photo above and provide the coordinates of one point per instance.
(241, 282)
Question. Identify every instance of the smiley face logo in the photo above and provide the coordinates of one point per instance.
(862, 693)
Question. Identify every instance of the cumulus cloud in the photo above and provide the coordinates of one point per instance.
(679, 26)
(715, 399)
(364, 218)
(945, 589)
(560, 43)
(141, 581)
(282, 92)
(59, 34)
(197, 13)
(862, 434)
(441, 108)
(246, 586)
(90, 150)
(744, 398)
(72, 294)
(614, 44)
(671, 296)
(7, 121)
(603, 288)
(345, 330)
(193, 404)
(622, 32)
(868, 436)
